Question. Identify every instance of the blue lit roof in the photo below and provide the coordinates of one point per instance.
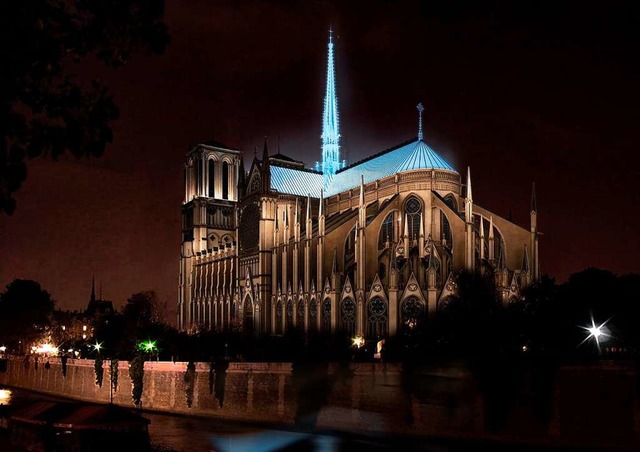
(406, 157)
(414, 155)
(295, 182)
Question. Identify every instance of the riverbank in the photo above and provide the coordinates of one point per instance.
(592, 405)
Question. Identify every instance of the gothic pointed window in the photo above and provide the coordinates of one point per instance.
(446, 238)
(387, 231)
(413, 211)
(377, 318)
(313, 315)
(198, 175)
(212, 178)
(326, 315)
(225, 180)
(348, 316)
(412, 314)
(248, 315)
(300, 319)
(279, 317)
(289, 314)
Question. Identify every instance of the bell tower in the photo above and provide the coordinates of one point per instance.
(211, 175)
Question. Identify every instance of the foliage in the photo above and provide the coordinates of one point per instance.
(140, 312)
(190, 380)
(136, 373)
(99, 371)
(26, 311)
(46, 109)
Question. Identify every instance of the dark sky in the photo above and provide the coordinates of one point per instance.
(519, 91)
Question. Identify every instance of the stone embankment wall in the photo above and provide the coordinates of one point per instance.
(358, 397)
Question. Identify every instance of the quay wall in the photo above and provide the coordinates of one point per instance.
(358, 397)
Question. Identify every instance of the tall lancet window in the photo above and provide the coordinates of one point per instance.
(225, 180)
(212, 178)
(386, 231)
(198, 176)
(413, 211)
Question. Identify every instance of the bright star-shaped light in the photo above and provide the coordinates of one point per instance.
(358, 341)
(147, 346)
(597, 332)
(97, 346)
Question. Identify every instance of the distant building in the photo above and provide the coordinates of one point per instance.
(371, 248)
(98, 307)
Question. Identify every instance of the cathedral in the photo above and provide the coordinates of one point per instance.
(370, 249)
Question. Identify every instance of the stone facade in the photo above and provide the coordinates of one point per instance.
(370, 249)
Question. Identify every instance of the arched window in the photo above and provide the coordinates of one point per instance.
(212, 178)
(313, 315)
(348, 316)
(289, 314)
(350, 254)
(225, 180)
(279, 317)
(451, 202)
(326, 314)
(377, 321)
(413, 211)
(412, 313)
(446, 230)
(387, 231)
(248, 315)
(198, 177)
(300, 319)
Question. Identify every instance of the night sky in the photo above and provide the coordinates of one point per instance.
(521, 92)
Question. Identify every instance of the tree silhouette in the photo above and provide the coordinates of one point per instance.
(46, 109)
(26, 311)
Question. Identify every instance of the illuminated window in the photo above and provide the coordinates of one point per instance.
(413, 211)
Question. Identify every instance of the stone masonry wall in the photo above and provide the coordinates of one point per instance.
(356, 397)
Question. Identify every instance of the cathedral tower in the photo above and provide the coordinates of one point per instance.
(211, 175)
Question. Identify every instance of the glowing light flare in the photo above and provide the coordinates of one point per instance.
(5, 396)
(3, 349)
(46, 349)
(358, 341)
(97, 346)
(597, 332)
(147, 346)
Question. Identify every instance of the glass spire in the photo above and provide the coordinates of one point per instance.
(330, 123)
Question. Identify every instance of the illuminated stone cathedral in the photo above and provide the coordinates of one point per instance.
(371, 248)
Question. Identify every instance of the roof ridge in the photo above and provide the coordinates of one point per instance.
(386, 151)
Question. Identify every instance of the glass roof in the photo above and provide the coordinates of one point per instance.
(414, 155)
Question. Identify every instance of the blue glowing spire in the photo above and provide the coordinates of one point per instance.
(330, 123)
(420, 110)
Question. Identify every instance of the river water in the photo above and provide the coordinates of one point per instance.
(189, 433)
(595, 407)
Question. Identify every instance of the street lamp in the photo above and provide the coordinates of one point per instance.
(597, 332)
